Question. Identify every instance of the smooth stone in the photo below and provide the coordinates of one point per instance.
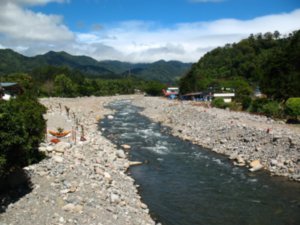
(121, 154)
(135, 163)
(114, 198)
(49, 148)
(107, 175)
(274, 162)
(126, 147)
(42, 149)
(255, 165)
(69, 207)
(62, 146)
(58, 159)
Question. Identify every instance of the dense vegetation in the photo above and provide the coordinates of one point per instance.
(166, 72)
(265, 61)
(64, 82)
(22, 128)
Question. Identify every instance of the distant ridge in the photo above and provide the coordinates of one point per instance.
(164, 71)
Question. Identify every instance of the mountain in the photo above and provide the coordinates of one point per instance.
(167, 72)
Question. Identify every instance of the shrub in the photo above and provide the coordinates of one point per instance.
(257, 105)
(235, 106)
(292, 107)
(22, 128)
(246, 102)
(219, 103)
(272, 109)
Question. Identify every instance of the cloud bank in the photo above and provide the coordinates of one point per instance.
(32, 33)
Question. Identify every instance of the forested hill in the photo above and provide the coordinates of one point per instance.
(268, 61)
(167, 72)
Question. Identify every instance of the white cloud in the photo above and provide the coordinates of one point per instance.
(33, 2)
(186, 41)
(19, 24)
(136, 41)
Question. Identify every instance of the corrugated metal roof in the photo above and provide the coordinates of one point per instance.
(7, 84)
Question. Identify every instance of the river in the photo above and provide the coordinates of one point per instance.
(184, 184)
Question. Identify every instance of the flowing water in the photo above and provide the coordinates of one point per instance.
(185, 184)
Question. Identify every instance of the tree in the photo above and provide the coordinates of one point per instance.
(154, 88)
(292, 107)
(281, 73)
(22, 128)
(64, 86)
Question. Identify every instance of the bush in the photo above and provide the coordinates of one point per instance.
(219, 103)
(266, 107)
(22, 128)
(292, 107)
(235, 106)
(272, 109)
(154, 88)
(246, 102)
(257, 105)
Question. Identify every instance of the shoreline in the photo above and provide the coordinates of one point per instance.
(80, 182)
(248, 140)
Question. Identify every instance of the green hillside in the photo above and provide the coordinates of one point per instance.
(267, 61)
(167, 72)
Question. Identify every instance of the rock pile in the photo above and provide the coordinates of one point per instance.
(81, 182)
(243, 137)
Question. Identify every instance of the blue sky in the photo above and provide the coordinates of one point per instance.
(137, 30)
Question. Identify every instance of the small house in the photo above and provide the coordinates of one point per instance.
(9, 90)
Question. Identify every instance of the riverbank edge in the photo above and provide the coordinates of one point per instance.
(89, 161)
(274, 150)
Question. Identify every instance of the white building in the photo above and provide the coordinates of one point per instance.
(226, 96)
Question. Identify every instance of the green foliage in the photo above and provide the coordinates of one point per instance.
(233, 106)
(263, 60)
(219, 103)
(41, 67)
(64, 86)
(22, 128)
(272, 109)
(292, 107)
(246, 102)
(257, 105)
(267, 107)
(281, 73)
(154, 88)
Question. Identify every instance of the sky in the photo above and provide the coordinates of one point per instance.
(139, 30)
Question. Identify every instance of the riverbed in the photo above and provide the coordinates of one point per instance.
(183, 183)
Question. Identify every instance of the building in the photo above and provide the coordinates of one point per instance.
(227, 97)
(9, 90)
(197, 96)
(171, 92)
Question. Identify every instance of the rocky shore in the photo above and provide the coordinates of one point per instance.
(248, 140)
(83, 180)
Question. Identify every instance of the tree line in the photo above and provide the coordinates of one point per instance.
(267, 62)
(52, 81)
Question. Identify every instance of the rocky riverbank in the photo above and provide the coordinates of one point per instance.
(248, 140)
(83, 180)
